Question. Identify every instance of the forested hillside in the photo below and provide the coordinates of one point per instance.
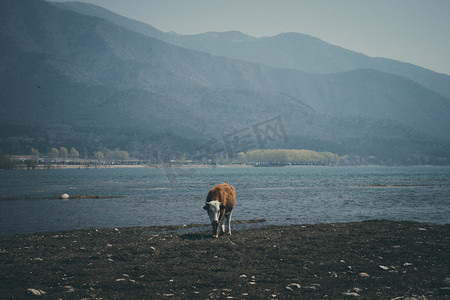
(72, 79)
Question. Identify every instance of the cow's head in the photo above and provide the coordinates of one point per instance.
(213, 208)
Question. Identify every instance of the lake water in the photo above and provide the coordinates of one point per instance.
(290, 195)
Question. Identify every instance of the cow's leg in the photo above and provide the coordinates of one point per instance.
(221, 223)
(224, 222)
(228, 222)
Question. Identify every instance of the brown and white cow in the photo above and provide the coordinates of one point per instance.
(220, 204)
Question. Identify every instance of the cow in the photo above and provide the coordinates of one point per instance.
(220, 204)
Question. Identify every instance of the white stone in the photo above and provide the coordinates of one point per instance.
(294, 285)
(36, 292)
(351, 294)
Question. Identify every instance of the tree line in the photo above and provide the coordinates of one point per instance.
(115, 155)
(59, 156)
(63, 153)
(288, 157)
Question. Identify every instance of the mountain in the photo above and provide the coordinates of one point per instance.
(309, 54)
(288, 50)
(72, 79)
(97, 11)
(306, 53)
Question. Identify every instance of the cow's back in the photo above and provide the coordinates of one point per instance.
(225, 194)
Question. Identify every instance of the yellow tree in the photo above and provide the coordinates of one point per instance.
(74, 153)
(63, 153)
(53, 154)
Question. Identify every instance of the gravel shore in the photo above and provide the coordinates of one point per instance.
(366, 260)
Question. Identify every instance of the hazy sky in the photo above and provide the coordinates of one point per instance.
(415, 31)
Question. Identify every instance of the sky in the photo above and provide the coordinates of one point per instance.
(414, 31)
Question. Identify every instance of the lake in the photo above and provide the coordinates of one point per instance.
(29, 200)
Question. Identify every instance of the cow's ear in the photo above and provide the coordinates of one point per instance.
(205, 207)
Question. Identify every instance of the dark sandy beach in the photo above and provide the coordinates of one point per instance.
(367, 260)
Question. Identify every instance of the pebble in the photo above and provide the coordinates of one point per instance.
(36, 292)
(351, 294)
(65, 196)
(383, 267)
(364, 275)
(293, 285)
(70, 289)
(313, 286)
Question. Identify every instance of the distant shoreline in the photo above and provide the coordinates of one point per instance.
(126, 166)
(178, 166)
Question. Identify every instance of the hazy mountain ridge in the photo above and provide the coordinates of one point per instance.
(86, 80)
(287, 50)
